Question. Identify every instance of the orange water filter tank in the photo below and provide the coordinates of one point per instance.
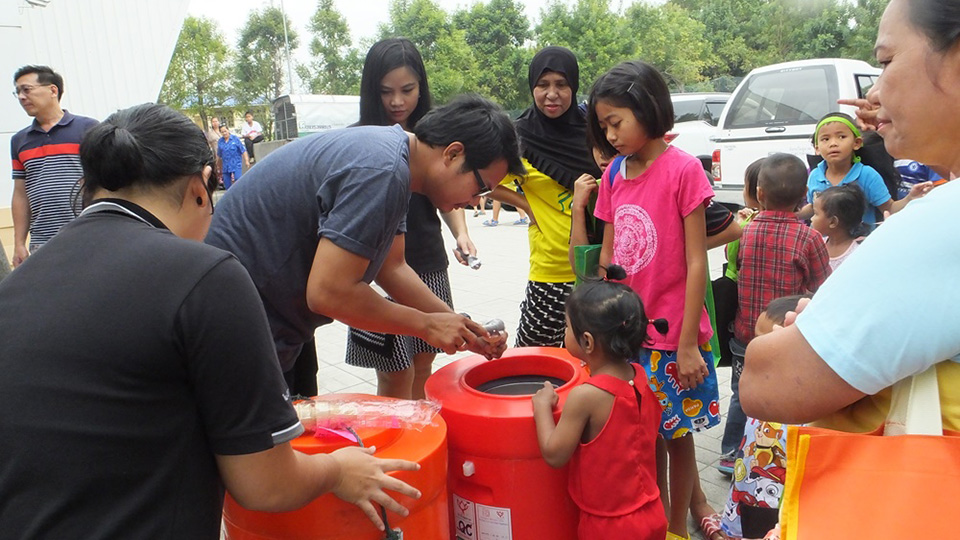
(329, 518)
(500, 486)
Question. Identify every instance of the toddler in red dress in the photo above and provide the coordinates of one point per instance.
(608, 428)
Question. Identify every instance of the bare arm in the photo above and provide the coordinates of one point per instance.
(806, 212)
(582, 189)
(404, 285)
(507, 195)
(606, 249)
(559, 441)
(784, 380)
(916, 191)
(280, 479)
(691, 365)
(20, 208)
(446, 327)
(457, 223)
(336, 289)
(724, 237)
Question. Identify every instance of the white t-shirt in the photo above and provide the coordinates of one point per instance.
(251, 132)
(890, 310)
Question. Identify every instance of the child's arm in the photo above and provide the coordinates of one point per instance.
(606, 252)
(507, 195)
(806, 212)
(691, 365)
(582, 189)
(724, 237)
(558, 441)
(916, 191)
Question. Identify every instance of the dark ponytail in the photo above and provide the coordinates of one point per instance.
(147, 145)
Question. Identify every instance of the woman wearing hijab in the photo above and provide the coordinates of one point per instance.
(553, 144)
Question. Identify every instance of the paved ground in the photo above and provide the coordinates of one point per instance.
(495, 291)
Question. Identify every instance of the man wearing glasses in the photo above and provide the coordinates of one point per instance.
(46, 160)
(322, 217)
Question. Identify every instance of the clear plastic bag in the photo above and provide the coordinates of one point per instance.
(340, 414)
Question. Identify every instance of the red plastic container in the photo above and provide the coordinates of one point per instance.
(500, 486)
(329, 518)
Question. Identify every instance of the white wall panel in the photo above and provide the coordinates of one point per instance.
(112, 54)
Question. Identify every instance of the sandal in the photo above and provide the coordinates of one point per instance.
(491, 223)
(521, 221)
(710, 527)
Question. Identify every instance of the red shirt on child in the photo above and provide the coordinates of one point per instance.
(779, 256)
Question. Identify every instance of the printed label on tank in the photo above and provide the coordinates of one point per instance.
(493, 523)
(464, 518)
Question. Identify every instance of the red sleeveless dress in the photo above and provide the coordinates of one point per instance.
(613, 478)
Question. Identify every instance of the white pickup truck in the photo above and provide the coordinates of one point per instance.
(776, 108)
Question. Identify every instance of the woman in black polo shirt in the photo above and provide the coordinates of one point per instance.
(139, 374)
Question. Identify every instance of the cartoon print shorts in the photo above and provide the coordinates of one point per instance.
(684, 411)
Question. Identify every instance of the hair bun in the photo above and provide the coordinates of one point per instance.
(616, 272)
(114, 157)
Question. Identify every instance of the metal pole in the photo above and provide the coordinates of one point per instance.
(286, 47)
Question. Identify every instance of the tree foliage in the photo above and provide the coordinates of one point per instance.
(487, 47)
(198, 77)
(498, 31)
(261, 56)
(450, 62)
(672, 40)
(595, 34)
(863, 31)
(337, 65)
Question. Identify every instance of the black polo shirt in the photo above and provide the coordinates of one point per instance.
(130, 358)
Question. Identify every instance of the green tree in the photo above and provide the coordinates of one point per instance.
(749, 33)
(261, 59)
(594, 33)
(863, 33)
(672, 41)
(449, 60)
(198, 78)
(795, 30)
(497, 32)
(733, 28)
(337, 66)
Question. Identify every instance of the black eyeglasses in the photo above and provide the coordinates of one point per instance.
(482, 188)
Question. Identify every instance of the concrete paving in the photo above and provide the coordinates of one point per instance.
(495, 291)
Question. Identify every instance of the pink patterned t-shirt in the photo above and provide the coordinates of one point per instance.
(647, 214)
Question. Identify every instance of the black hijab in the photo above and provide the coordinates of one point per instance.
(557, 147)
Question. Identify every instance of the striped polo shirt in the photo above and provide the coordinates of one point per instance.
(49, 162)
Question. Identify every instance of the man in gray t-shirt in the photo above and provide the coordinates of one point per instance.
(319, 219)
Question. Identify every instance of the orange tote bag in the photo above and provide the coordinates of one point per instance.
(901, 481)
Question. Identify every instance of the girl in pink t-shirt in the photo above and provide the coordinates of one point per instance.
(652, 201)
